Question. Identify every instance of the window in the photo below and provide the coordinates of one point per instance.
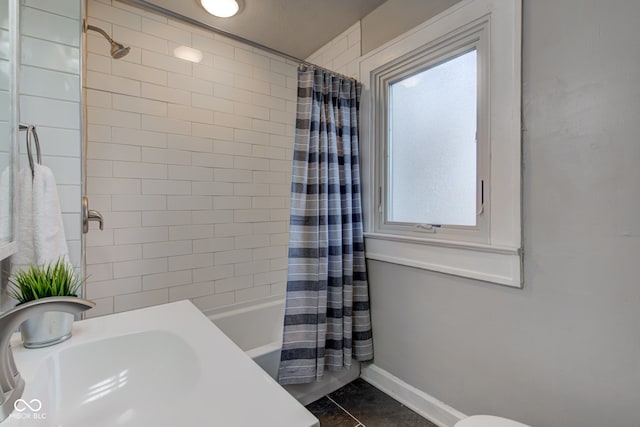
(431, 151)
(441, 144)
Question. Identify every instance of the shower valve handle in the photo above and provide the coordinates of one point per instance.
(96, 216)
(90, 215)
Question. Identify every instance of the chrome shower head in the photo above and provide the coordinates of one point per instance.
(118, 50)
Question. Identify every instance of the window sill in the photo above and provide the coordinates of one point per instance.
(489, 263)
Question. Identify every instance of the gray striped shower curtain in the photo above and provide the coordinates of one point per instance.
(327, 320)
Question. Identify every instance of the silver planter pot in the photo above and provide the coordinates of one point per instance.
(46, 329)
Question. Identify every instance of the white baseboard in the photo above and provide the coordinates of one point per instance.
(428, 406)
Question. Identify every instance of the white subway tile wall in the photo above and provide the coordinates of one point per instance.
(50, 100)
(342, 54)
(189, 163)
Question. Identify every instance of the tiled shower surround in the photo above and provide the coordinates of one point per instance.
(189, 163)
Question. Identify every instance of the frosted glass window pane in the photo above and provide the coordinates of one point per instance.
(432, 145)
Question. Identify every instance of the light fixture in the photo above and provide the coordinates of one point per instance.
(221, 8)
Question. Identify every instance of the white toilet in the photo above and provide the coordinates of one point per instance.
(488, 421)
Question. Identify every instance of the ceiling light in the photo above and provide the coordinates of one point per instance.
(221, 8)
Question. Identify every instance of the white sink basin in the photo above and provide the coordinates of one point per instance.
(160, 366)
(102, 382)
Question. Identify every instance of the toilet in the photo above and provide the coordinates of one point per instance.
(488, 421)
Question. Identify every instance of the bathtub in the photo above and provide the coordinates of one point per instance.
(257, 329)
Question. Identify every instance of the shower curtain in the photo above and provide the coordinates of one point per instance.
(327, 320)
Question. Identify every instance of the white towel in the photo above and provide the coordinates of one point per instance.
(49, 239)
(26, 250)
(5, 206)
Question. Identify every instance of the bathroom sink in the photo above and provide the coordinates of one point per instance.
(160, 366)
(119, 372)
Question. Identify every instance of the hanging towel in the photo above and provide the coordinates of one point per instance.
(49, 240)
(26, 252)
(5, 206)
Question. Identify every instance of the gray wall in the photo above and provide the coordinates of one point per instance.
(395, 17)
(565, 350)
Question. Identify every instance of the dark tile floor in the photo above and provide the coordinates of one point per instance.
(359, 404)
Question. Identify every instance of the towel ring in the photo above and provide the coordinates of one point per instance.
(31, 132)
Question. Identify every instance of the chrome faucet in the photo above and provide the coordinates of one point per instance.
(11, 383)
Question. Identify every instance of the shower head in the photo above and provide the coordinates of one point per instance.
(118, 50)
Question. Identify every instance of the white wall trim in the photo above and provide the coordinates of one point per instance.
(504, 139)
(473, 261)
(424, 404)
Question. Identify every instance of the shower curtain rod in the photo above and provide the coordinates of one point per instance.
(169, 13)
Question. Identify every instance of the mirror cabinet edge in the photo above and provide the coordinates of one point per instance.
(9, 248)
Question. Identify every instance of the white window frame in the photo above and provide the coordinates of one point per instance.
(492, 251)
(473, 36)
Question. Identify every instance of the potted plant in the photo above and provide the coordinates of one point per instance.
(36, 282)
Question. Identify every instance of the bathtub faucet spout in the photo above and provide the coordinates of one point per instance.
(11, 383)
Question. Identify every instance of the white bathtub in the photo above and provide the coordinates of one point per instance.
(257, 329)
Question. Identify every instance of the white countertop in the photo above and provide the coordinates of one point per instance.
(166, 365)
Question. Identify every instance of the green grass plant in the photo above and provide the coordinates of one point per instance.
(51, 280)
